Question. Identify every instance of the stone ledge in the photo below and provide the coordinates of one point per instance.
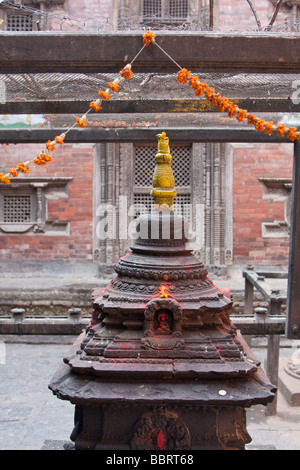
(288, 385)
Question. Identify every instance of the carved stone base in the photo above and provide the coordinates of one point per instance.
(126, 413)
(157, 427)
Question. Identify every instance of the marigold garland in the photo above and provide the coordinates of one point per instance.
(4, 178)
(269, 127)
(114, 86)
(60, 139)
(44, 157)
(95, 105)
(281, 130)
(224, 104)
(251, 119)
(104, 94)
(82, 122)
(231, 110)
(148, 38)
(13, 172)
(23, 167)
(50, 145)
(126, 72)
(259, 125)
(242, 113)
(200, 88)
(183, 76)
(292, 133)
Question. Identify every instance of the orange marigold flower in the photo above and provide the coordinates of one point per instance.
(39, 160)
(104, 95)
(148, 38)
(114, 86)
(200, 88)
(251, 119)
(13, 172)
(47, 158)
(22, 167)
(222, 105)
(232, 109)
(215, 99)
(95, 105)
(42, 159)
(3, 179)
(194, 81)
(60, 139)
(126, 72)
(292, 133)
(260, 124)
(281, 130)
(50, 145)
(80, 122)
(268, 127)
(242, 115)
(183, 75)
(210, 93)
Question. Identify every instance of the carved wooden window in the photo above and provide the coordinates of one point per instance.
(143, 173)
(18, 209)
(19, 22)
(165, 10)
(23, 205)
(25, 15)
(178, 9)
(164, 13)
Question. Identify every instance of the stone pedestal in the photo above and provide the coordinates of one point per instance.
(161, 365)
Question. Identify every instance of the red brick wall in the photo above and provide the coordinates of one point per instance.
(237, 16)
(74, 161)
(251, 161)
(87, 8)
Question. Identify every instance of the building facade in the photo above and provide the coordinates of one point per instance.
(70, 215)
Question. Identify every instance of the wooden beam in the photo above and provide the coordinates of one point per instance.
(248, 325)
(156, 106)
(293, 294)
(30, 52)
(96, 134)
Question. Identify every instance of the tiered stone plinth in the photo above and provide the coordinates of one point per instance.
(161, 365)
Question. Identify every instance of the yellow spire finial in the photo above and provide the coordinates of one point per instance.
(163, 180)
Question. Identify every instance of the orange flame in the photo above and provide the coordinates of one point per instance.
(162, 292)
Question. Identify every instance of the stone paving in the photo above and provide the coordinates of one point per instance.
(32, 418)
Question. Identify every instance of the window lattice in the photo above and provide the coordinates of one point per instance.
(144, 203)
(178, 9)
(145, 163)
(19, 22)
(16, 209)
(152, 9)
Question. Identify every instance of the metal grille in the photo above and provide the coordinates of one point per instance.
(151, 9)
(16, 209)
(145, 162)
(144, 204)
(19, 22)
(178, 9)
